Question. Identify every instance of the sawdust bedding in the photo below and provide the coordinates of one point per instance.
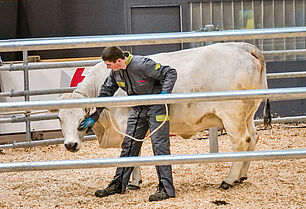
(270, 184)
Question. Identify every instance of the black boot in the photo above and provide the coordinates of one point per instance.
(113, 188)
(160, 194)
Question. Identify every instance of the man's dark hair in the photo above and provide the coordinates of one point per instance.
(112, 53)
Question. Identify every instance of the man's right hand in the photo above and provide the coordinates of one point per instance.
(86, 123)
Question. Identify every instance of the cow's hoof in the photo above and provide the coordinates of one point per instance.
(241, 180)
(225, 186)
(133, 187)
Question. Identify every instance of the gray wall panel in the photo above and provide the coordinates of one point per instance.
(160, 19)
(8, 18)
(75, 18)
(8, 23)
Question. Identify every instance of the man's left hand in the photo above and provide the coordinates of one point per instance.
(86, 123)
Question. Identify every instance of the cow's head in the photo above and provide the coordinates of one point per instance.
(70, 119)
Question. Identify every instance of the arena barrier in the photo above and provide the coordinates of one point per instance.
(74, 42)
(133, 39)
(213, 145)
(87, 63)
(276, 94)
(273, 94)
(152, 160)
(299, 74)
(39, 44)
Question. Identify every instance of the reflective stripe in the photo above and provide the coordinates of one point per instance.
(121, 84)
(157, 66)
(129, 58)
(161, 118)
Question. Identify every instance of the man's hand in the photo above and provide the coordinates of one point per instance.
(86, 123)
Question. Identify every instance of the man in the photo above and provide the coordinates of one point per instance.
(138, 75)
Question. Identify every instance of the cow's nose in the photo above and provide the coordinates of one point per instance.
(72, 147)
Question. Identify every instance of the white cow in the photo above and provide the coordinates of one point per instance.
(218, 67)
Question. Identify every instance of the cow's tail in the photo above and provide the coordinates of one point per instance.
(267, 110)
(267, 114)
(255, 52)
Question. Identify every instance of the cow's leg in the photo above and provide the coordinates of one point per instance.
(254, 139)
(136, 178)
(240, 139)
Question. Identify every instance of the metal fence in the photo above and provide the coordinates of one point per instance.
(123, 40)
(229, 15)
(285, 93)
(40, 44)
(152, 160)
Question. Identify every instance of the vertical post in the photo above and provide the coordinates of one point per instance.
(213, 140)
(208, 28)
(26, 88)
(213, 132)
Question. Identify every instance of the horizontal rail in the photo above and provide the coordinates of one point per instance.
(50, 65)
(71, 89)
(152, 160)
(284, 52)
(87, 63)
(44, 142)
(283, 120)
(92, 137)
(19, 119)
(146, 39)
(286, 75)
(37, 92)
(273, 94)
(16, 119)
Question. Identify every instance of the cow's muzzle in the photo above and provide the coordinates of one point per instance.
(72, 147)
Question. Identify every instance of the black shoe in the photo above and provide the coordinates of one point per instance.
(159, 195)
(112, 188)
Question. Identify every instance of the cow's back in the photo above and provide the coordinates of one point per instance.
(218, 67)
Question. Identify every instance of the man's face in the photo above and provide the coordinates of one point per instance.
(114, 65)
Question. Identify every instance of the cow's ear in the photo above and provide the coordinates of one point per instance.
(53, 111)
(87, 110)
(90, 111)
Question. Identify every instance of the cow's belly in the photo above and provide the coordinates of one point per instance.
(188, 119)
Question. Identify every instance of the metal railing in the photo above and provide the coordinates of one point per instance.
(146, 39)
(25, 45)
(272, 94)
(50, 65)
(153, 99)
(152, 160)
(71, 89)
(214, 147)
(37, 92)
(88, 63)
